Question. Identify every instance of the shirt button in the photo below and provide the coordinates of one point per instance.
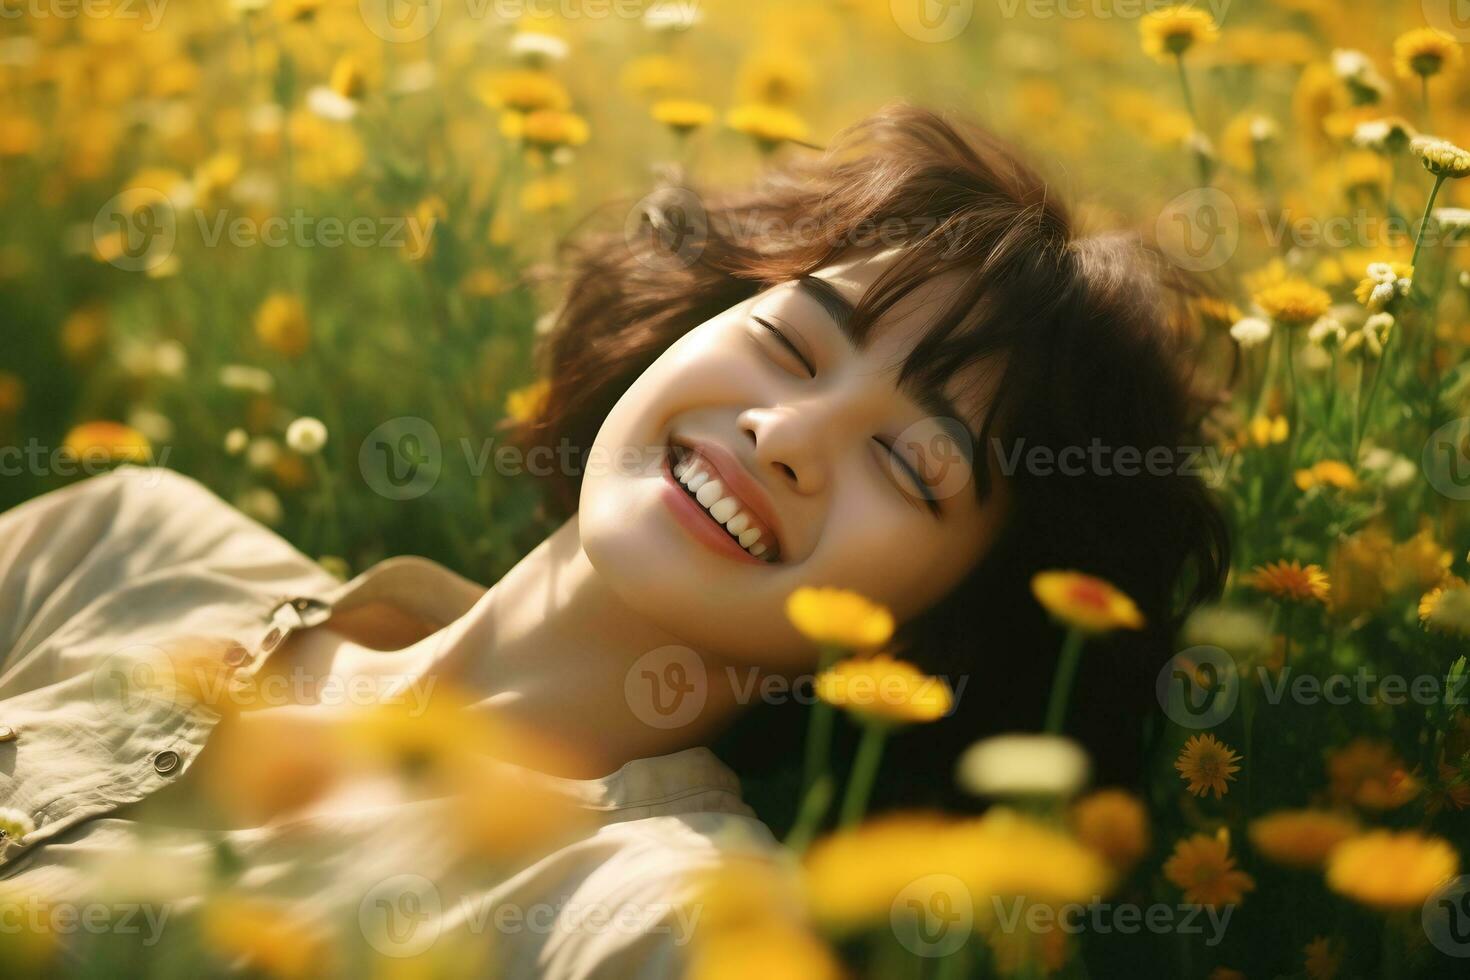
(236, 654)
(8, 734)
(166, 762)
(272, 638)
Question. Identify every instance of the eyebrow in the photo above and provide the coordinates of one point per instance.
(933, 401)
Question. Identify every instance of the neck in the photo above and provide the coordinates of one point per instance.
(552, 647)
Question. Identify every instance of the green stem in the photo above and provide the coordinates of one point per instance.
(819, 729)
(1285, 634)
(864, 774)
(1061, 686)
(814, 806)
(1424, 221)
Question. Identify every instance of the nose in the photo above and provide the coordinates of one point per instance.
(791, 441)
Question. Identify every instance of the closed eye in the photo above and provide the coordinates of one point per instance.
(924, 491)
(789, 345)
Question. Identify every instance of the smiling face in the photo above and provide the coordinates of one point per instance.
(808, 465)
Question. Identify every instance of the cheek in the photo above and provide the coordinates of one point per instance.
(904, 559)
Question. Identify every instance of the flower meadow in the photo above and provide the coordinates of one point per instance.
(272, 244)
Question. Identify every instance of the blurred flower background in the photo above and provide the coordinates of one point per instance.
(255, 240)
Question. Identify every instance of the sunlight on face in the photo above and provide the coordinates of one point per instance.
(860, 484)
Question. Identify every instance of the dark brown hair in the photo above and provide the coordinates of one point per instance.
(1093, 356)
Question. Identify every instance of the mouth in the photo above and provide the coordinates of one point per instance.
(706, 503)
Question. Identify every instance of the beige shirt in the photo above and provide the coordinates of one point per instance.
(117, 562)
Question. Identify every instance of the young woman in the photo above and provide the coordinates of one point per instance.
(860, 373)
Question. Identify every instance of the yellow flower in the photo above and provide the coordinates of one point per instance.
(1368, 774)
(15, 825)
(1290, 581)
(882, 689)
(774, 78)
(1267, 431)
(1328, 472)
(84, 331)
(1446, 608)
(1167, 34)
(1207, 764)
(1114, 824)
(521, 90)
(525, 404)
(282, 325)
(267, 936)
(1384, 282)
(1322, 959)
(1425, 52)
(1388, 870)
(1419, 563)
(683, 116)
(1300, 838)
(656, 76)
(1201, 865)
(771, 950)
(769, 126)
(550, 128)
(299, 11)
(1360, 572)
(1293, 303)
(546, 193)
(839, 617)
(110, 442)
(1440, 157)
(853, 877)
(348, 79)
(1085, 602)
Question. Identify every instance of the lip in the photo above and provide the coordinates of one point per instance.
(729, 471)
(698, 521)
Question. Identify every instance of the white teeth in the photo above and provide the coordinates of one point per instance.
(724, 509)
(709, 492)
